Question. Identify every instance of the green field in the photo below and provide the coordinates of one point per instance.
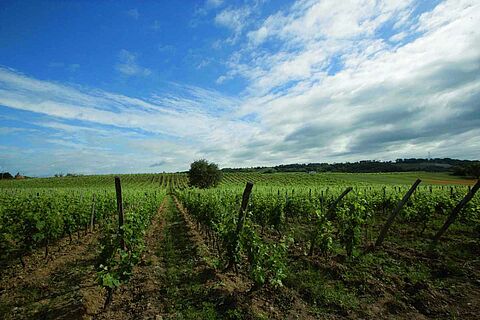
(180, 253)
(403, 178)
(279, 179)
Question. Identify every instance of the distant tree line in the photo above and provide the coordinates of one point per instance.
(5, 175)
(455, 166)
(8, 176)
(470, 170)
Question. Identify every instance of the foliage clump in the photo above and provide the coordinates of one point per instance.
(203, 174)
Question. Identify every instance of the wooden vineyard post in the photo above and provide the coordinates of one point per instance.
(451, 218)
(241, 219)
(329, 216)
(92, 217)
(331, 209)
(118, 190)
(394, 213)
(384, 199)
(243, 207)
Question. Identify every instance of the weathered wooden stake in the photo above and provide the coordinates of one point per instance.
(394, 213)
(118, 190)
(330, 212)
(451, 218)
(322, 200)
(243, 207)
(384, 199)
(241, 219)
(331, 209)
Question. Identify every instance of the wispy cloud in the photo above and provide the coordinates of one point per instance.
(203, 9)
(234, 19)
(133, 13)
(173, 126)
(213, 3)
(128, 65)
(60, 101)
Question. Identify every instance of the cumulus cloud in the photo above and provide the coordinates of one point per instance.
(383, 99)
(310, 34)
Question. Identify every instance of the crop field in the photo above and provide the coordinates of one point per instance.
(299, 246)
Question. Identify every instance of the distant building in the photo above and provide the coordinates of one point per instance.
(18, 176)
(312, 172)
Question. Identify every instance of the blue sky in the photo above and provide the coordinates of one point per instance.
(117, 86)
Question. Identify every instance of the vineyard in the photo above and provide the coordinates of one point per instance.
(259, 246)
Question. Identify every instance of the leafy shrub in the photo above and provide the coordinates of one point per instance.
(203, 174)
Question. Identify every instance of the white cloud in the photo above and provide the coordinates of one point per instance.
(445, 11)
(234, 19)
(309, 35)
(258, 36)
(133, 13)
(21, 92)
(129, 66)
(315, 20)
(385, 100)
(204, 63)
(221, 79)
(213, 3)
(178, 125)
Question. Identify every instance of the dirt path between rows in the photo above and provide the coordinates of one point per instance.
(140, 297)
(173, 282)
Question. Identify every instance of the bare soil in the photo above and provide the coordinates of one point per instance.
(61, 287)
